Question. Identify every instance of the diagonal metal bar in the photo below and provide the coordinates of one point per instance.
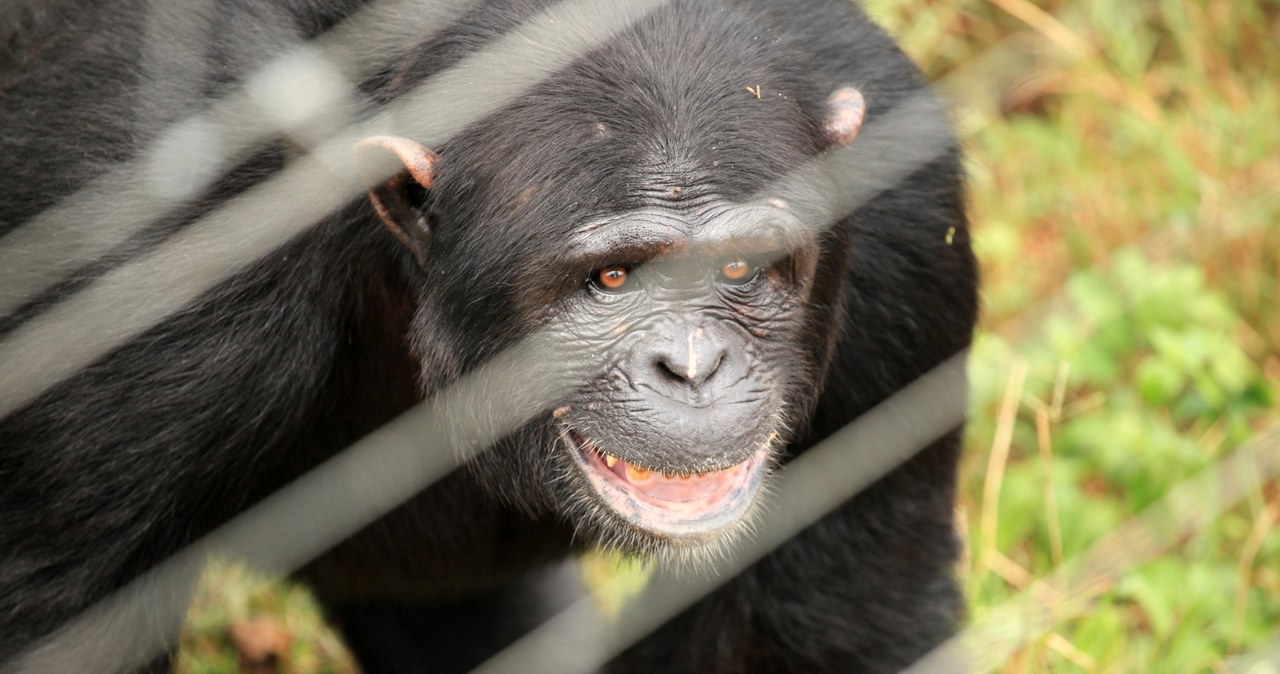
(581, 638)
(593, 644)
(1265, 660)
(125, 630)
(138, 295)
(576, 641)
(297, 523)
(1183, 511)
(827, 189)
(396, 462)
(285, 94)
(888, 182)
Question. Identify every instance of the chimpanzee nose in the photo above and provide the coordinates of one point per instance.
(680, 364)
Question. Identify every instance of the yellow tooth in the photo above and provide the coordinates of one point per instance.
(610, 460)
(667, 475)
(638, 473)
(685, 476)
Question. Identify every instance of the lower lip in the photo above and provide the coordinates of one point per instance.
(700, 506)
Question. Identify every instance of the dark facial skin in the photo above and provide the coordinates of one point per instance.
(685, 321)
(693, 359)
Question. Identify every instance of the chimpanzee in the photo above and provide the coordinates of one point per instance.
(644, 204)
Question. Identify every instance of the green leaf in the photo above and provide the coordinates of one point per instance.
(1158, 381)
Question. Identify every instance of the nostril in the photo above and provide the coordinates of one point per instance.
(668, 371)
(693, 371)
(715, 366)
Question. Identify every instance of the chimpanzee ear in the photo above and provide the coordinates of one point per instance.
(393, 169)
(846, 110)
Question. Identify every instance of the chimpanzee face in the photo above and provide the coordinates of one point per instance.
(682, 291)
(685, 331)
(695, 313)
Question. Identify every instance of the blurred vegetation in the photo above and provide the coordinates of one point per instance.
(1125, 166)
(231, 599)
(1125, 176)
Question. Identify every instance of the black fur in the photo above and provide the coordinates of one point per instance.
(319, 343)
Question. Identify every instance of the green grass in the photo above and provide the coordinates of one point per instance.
(1125, 160)
(1125, 163)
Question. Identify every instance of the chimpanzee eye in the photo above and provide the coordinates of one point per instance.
(737, 270)
(613, 278)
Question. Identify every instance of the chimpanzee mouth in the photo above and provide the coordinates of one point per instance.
(694, 505)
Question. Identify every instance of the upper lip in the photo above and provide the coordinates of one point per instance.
(578, 440)
(695, 399)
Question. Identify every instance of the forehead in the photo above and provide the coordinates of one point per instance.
(681, 100)
(579, 183)
(652, 231)
(645, 142)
